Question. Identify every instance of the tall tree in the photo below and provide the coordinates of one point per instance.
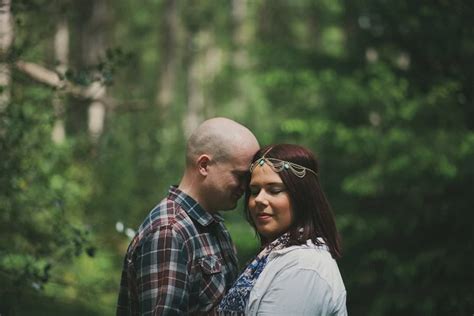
(61, 54)
(6, 38)
(171, 46)
(204, 60)
(242, 37)
(94, 45)
(196, 102)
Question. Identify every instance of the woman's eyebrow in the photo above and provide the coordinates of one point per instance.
(271, 184)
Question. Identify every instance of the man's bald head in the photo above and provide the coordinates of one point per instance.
(218, 156)
(220, 138)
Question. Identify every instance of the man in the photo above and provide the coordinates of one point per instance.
(182, 259)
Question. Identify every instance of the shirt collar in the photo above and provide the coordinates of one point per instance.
(190, 206)
(309, 245)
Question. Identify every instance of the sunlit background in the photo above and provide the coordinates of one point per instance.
(97, 98)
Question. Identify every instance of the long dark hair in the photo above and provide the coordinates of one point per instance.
(312, 216)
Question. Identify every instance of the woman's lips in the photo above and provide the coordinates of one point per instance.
(264, 217)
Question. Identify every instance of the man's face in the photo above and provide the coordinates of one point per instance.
(227, 181)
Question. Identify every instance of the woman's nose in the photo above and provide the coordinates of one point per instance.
(261, 198)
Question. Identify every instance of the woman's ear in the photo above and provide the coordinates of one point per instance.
(203, 164)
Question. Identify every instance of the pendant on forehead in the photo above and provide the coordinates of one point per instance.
(261, 162)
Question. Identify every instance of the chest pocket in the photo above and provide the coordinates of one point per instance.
(212, 280)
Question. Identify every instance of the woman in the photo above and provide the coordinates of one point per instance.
(296, 272)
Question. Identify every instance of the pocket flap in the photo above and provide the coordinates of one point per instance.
(210, 264)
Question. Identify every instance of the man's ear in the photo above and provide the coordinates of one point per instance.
(203, 164)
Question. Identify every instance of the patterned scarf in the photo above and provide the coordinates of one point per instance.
(236, 299)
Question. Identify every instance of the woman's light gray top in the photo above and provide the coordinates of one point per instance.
(299, 280)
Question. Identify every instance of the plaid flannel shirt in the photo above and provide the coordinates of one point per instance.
(180, 262)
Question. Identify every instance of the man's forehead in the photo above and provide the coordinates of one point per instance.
(243, 165)
(241, 160)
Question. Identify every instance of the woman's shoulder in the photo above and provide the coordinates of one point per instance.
(310, 257)
(304, 255)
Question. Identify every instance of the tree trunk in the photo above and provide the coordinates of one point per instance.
(61, 52)
(205, 61)
(171, 55)
(6, 40)
(195, 105)
(93, 49)
(242, 35)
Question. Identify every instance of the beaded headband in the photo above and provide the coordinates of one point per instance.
(279, 165)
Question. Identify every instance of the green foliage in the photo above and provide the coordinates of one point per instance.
(382, 92)
(77, 283)
(41, 199)
(393, 146)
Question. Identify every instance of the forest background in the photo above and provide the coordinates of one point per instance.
(97, 99)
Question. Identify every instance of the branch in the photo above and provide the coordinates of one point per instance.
(93, 92)
(52, 79)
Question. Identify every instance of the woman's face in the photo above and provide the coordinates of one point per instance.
(269, 203)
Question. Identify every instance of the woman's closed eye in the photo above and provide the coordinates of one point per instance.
(254, 191)
(270, 190)
(276, 190)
